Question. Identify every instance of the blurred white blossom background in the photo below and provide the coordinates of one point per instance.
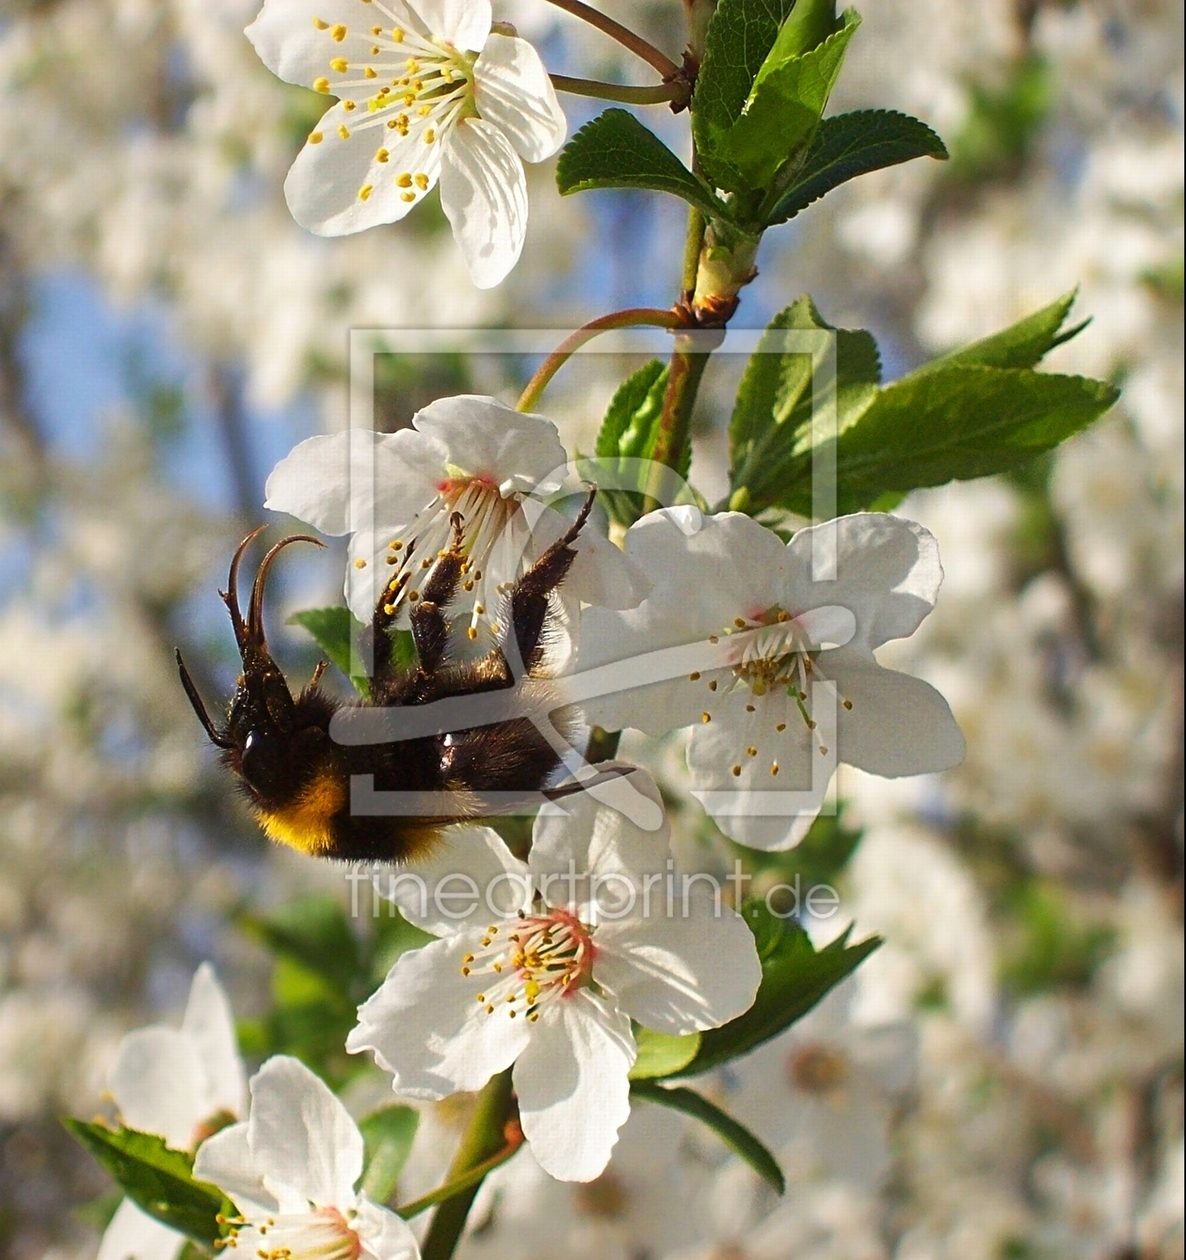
(1003, 1080)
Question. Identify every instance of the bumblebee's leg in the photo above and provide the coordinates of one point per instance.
(429, 627)
(528, 600)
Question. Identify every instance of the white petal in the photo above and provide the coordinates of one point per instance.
(332, 480)
(514, 92)
(516, 451)
(159, 1085)
(471, 879)
(302, 1139)
(226, 1161)
(484, 196)
(601, 574)
(579, 834)
(342, 183)
(134, 1235)
(695, 969)
(706, 571)
(614, 663)
(887, 572)
(573, 1085)
(898, 725)
(296, 40)
(463, 23)
(730, 566)
(384, 1235)
(427, 1028)
(210, 1025)
(757, 807)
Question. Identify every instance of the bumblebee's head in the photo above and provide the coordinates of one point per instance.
(263, 721)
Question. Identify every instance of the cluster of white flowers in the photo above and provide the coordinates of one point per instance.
(146, 145)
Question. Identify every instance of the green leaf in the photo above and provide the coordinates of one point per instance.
(795, 976)
(956, 423)
(626, 442)
(158, 1179)
(336, 632)
(1022, 345)
(783, 111)
(772, 427)
(660, 1054)
(740, 34)
(732, 1132)
(315, 932)
(388, 1134)
(616, 151)
(848, 145)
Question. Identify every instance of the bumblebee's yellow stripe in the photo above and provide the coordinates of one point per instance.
(305, 825)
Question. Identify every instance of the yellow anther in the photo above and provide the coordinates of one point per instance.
(465, 971)
(472, 632)
(321, 26)
(413, 65)
(736, 772)
(365, 191)
(360, 563)
(349, 106)
(784, 616)
(408, 196)
(338, 33)
(370, 72)
(848, 704)
(739, 622)
(315, 137)
(706, 718)
(389, 609)
(375, 50)
(429, 136)
(489, 1010)
(376, 30)
(823, 752)
(782, 726)
(774, 767)
(751, 708)
(714, 638)
(340, 64)
(343, 131)
(751, 751)
(481, 997)
(694, 676)
(397, 35)
(403, 180)
(321, 85)
(478, 608)
(424, 110)
(382, 155)
(467, 585)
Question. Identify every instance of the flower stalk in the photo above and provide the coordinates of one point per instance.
(631, 317)
(484, 1139)
(654, 95)
(623, 34)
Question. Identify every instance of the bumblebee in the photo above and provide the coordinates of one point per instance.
(297, 776)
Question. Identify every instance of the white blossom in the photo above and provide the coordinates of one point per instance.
(180, 1084)
(548, 975)
(804, 687)
(290, 1169)
(469, 455)
(427, 92)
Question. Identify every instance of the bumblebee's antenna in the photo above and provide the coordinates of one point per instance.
(230, 596)
(199, 707)
(255, 612)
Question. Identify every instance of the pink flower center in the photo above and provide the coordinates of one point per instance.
(521, 965)
(322, 1234)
